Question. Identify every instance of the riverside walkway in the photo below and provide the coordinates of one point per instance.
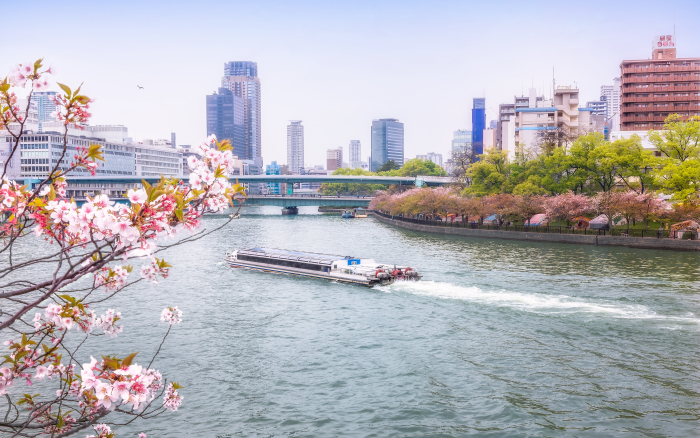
(648, 239)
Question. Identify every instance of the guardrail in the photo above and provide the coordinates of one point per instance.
(620, 232)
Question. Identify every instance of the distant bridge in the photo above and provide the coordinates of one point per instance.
(431, 181)
(287, 201)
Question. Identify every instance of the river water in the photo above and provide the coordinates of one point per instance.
(501, 338)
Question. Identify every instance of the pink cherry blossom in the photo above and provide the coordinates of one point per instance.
(171, 315)
(137, 196)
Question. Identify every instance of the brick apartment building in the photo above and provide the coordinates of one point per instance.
(654, 88)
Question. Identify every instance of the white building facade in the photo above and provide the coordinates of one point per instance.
(295, 147)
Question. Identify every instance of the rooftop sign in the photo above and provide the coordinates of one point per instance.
(664, 42)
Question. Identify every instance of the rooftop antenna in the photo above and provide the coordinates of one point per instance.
(554, 84)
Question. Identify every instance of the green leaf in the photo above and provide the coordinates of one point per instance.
(68, 298)
(65, 89)
(127, 360)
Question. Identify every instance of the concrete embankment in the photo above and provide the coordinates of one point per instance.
(632, 242)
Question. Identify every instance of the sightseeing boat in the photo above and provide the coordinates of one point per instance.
(366, 272)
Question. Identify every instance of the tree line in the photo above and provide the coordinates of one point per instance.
(590, 177)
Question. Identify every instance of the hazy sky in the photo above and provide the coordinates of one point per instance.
(334, 65)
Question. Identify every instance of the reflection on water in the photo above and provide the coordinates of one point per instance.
(502, 338)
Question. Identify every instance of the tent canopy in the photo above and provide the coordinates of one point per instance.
(538, 219)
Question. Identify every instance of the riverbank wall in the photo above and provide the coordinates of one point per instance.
(577, 239)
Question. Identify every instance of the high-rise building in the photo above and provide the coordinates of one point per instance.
(599, 107)
(461, 141)
(652, 89)
(241, 77)
(42, 103)
(387, 143)
(489, 138)
(295, 146)
(173, 140)
(225, 119)
(506, 113)
(355, 154)
(611, 95)
(273, 169)
(493, 124)
(558, 121)
(478, 125)
(334, 159)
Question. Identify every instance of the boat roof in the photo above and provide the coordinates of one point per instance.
(292, 255)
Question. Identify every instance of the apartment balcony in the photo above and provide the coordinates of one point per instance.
(659, 69)
(666, 79)
(642, 119)
(630, 99)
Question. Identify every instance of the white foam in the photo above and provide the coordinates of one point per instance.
(530, 302)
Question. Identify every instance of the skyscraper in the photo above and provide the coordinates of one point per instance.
(225, 119)
(461, 141)
(44, 107)
(295, 146)
(387, 142)
(173, 140)
(478, 124)
(611, 95)
(355, 154)
(241, 77)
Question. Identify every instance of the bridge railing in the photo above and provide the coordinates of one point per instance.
(309, 195)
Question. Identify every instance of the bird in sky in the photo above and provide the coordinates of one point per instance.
(140, 87)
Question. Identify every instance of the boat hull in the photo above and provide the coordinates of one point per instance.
(303, 273)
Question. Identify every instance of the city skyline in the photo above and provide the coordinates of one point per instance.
(160, 53)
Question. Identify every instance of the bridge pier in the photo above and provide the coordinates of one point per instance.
(290, 211)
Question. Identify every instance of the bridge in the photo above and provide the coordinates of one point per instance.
(430, 181)
(299, 200)
(117, 185)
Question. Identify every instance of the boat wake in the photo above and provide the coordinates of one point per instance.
(531, 302)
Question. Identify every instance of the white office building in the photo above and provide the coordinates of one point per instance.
(431, 156)
(355, 154)
(295, 146)
(41, 152)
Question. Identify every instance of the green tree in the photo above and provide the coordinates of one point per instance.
(388, 166)
(489, 175)
(417, 167)
(635, 164)
(680, 138)
(682, 180)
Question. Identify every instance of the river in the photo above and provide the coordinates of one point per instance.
(501, 338)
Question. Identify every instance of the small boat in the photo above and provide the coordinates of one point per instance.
(347, 269)
(360, 213)
(347, 214)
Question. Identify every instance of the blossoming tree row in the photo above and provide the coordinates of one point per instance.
(441, 202)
